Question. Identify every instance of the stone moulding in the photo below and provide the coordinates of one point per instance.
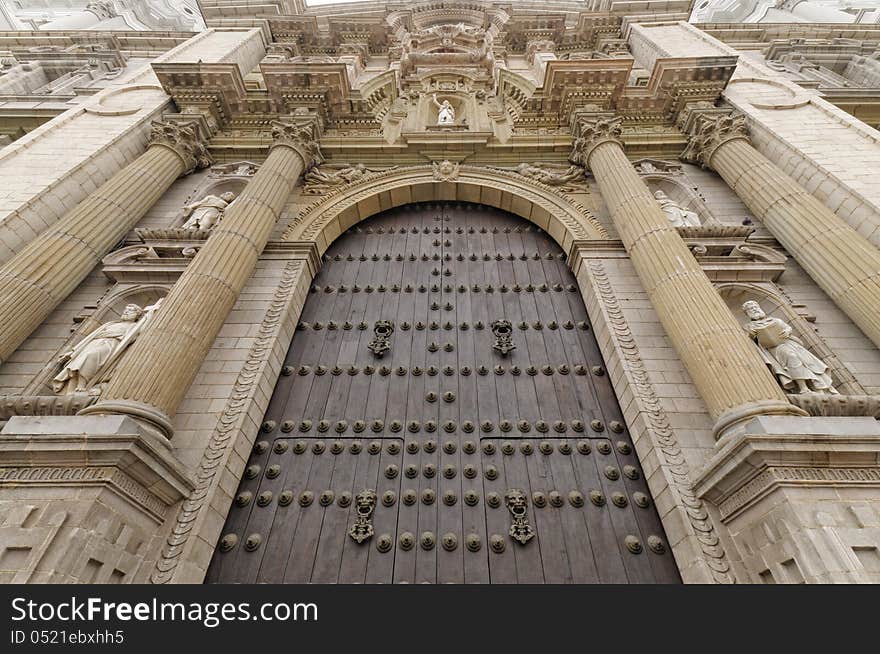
(228, 427)
(43, 405)
(824, 404)
(658, 425)
(375, 190)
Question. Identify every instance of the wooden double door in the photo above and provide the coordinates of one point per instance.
(443, 415)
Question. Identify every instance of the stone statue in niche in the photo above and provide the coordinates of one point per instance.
(795, 367)
(92, 359)
(445, 112)
(207, 212)
(676, 215)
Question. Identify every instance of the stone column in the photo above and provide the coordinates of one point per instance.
(158, 369)
(844, 264)
(729, 374)
(52, 265)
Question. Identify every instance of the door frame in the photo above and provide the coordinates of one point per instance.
(194, 530)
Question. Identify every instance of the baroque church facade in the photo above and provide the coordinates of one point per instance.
(451, 291)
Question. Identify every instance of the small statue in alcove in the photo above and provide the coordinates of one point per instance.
(795, 367)
(445, 112)
(207, 212)
(678, 216)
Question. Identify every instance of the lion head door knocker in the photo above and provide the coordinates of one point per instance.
(520, 529)
(381, 342)
(503, 332)
(364, 504)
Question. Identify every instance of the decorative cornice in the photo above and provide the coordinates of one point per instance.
(300, 135)
(711, 133)
(184, 140)
(592, 131)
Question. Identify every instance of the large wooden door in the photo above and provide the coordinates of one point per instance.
(443, 415)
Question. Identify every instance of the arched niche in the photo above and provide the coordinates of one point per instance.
(776, 305)
(109, 308)
(564, 219)
(679, 192)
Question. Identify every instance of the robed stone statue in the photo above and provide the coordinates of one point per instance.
(92, 359)
(795, 367)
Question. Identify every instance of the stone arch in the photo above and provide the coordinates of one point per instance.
(563, 218)
(681, 193)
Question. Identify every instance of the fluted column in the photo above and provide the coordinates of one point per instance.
(52, 265)
(843, 263)
(724, 364)
(156, 372)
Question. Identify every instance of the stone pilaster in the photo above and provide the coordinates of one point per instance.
(156, 372)
(842, 263)
(52, 265)
(725, 366)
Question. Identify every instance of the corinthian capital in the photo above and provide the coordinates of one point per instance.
(185, 140)
(593, 130)
(711, 133)
(302, 134)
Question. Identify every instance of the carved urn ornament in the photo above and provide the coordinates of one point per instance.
(503, 332)
(381, 342)
(365, 504)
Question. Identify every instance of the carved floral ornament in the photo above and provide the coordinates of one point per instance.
(593, 131)
(711, 134)
(185, 140)
(302, 136)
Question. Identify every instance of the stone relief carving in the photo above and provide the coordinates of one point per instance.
(659, 427)
(677, 216)
(446, 112)
(184, 140)
(445, 171)
(229, 425)
(207, 212)
(91, 361)
(795, 367)
(565, 178)
(321, 179)
(237, 169)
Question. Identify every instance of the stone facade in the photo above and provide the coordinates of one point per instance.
(594, 121)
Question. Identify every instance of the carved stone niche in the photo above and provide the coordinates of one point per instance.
(776, 305)
(38, 397)
(669, 178)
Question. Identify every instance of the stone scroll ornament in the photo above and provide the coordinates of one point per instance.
(381, 342)
(365, 504)
(502, 330)
(520, 529)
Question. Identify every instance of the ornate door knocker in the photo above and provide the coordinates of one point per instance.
(365, 504)
(520, 529)
(503, 332)
(381, 342)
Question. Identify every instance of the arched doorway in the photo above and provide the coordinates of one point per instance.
(473, 438)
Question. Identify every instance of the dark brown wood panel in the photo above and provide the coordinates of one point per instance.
(443, 427)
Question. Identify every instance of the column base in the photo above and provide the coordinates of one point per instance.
(730, 423)
(82, 498)
(801, 498)
(148, 417)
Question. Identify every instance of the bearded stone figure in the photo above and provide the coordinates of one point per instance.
(796, 369)
(676, 215)
(207, 212)
(92, 359)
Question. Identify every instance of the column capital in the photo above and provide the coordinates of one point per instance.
(185, 140)
(710, 132)
(302, 134)
(592, 130)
